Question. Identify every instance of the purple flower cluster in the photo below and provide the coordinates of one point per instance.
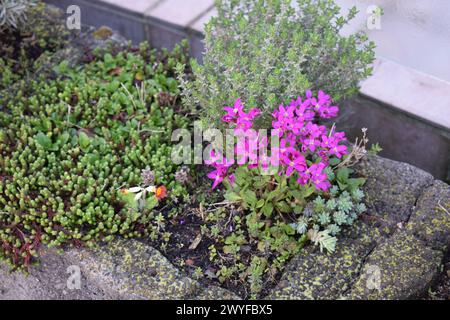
(305, 147)
(221, 166)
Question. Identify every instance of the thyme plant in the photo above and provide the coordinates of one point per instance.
(267, 51)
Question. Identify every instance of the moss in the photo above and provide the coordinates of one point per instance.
(312, 275)
(406, 267)
(103, 33)
(392, 188)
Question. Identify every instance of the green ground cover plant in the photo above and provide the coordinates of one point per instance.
(26, 47)
(72, 147)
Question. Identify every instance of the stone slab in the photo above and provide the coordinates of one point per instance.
(180, 13)
(411, 91)
(138, 6)
(400, 268)
(430, 221)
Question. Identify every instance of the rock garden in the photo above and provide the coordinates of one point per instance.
(95, 180)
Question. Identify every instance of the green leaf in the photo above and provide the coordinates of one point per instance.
(343, 174)
(283, 207)
(3, 136)
(230, 249)
(296, 194)
(355, 183)
(84, 141)
(334, 161)
(249, 197)
(288, 229)
(63, 139)
(261, 246)
(260, 182)
(135, 215)
(44, 141)
(342, 186)
(92, 158)
(267, 210)
(241, 175)
(298, 209)
(129, 200)
(151, 202)
(260, 203)
(308, 191)
(232, 196)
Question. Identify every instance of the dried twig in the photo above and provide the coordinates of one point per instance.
(358, 151)
(442, 207)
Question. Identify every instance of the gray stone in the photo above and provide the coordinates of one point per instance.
(128, 269)
(124, 269)
(46, 281)
(180, 13)
(96, 13)
(215, 293)
(403, 137)
(400, 241)
(430, 221)
(163, 36)
(316, 275)
(392, 188)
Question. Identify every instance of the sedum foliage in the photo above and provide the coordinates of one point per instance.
(264, 51)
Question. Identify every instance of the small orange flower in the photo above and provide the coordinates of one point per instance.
(124, 191)
(161, 192)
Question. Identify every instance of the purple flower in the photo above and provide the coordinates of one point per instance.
(322, 105)
(217, 175)
(295, 162)
(318, 177)
(301, 140)
(304, 113)
(315, 175)
(331, 144)
(284, 118)
(339, 151)
(245, 120)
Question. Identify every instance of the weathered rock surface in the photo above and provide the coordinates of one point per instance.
(316, 275)
(399, 268)
(392, 187)
(395, 251)
(430, 221)
(125, 269)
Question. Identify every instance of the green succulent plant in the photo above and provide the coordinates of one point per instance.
(71, 144)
